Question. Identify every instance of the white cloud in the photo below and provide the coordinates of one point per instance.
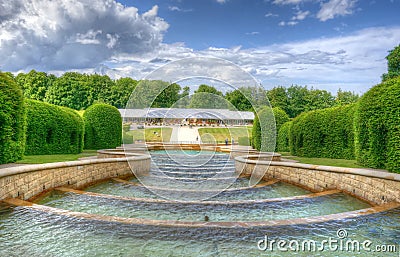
(221, 1)
(177, 9)
(253, 33)
(64, 34)
(289, 23)
(271, 15)
(354, 62)
(300, 15)
(333, 8)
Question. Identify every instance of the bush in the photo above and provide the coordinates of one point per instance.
(12, 120)
(324, 133)
(283, 137)
(103, 127)
(52, 129)
(377, 127)
(264, 130)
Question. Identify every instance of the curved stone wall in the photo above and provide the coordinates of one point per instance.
(25, 182)
(376, 187)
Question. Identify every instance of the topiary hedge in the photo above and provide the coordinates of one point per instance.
(12, 120)
(377, 127)
(52, 129)
(283, 144)
(324, 133)
(264, 130)
(103, 127)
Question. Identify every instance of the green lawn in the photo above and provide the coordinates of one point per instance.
(38, 159)
(220, 134)
(324, 161)
(152, 134)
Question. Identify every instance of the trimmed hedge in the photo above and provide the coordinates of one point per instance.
(52, 129)
(377, 127)
(264, 130)
(283, 143)
(12, 120)
(103, 127)
(324, 133)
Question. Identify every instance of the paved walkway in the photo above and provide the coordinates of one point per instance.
(185, 134)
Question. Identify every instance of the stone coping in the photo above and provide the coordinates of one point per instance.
(204, 224)
(351, 171)
(268, 183)
(55, 165)
(233, 202)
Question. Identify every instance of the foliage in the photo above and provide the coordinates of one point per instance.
(98, 89)
(70, 90)
(393, 64)
(167, 97)
(264, 130)
(121, 90)
(12, 120)
(297, 99)
(103, 127)
(52, 129)
(208, 97)
(377, 126)
(280, 117)
(35, 84)
(324, 133)
(239, 100)
(345, 97)
(283, 137)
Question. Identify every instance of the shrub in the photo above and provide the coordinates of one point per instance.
(12, 120)
(377, 127)
(103, 127)
(283, 137)
(264, 130)
(52, 129)
(324, 133)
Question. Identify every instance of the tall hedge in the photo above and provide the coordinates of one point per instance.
(283, 143)
(52, 129)
(103, 127)
(377, 127)
(264, 130)
(324, 133)
(12, 120)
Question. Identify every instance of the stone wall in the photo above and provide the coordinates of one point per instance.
(25, 182)
(374, 186)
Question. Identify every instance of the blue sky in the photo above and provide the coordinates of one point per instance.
(327, 44)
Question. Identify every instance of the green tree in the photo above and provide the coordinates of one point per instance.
(208, 97)
(121, 90)
(318, 99)
(345, 97)
(393, 64)
(70, 90)
(239, 100)
(35, 84)
(278, 97)
(167, 97)
(99, 88)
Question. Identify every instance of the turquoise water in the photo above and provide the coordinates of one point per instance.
(27, 232)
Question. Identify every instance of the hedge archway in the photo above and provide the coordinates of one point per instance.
(53, 129)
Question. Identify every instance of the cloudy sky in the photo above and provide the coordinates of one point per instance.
(322, 43)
